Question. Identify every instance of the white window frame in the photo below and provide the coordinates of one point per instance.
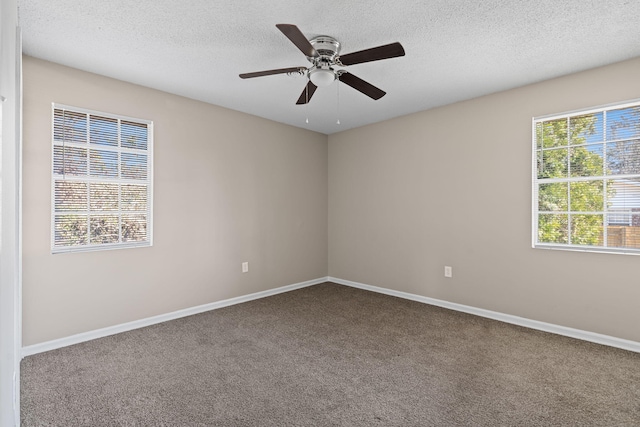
(90, 179)
(536, 181)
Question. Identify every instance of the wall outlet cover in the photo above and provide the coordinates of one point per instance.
(448, 271)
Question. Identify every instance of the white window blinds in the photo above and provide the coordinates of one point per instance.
(101, 180)
(587, 180)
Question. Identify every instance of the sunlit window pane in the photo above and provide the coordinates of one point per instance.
(587, 180)
(101, 181)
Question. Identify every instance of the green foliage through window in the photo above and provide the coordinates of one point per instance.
(587, 180)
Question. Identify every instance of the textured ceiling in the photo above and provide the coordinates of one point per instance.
(455, 49)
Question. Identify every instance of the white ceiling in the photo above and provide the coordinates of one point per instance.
(455, 49)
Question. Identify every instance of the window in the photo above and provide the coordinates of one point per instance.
(101, 186)
(586, 184)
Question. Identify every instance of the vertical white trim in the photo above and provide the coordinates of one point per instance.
(150, 184)
(534, 184)
(17, 349)
(10, 214)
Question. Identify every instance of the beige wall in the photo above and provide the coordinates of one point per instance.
(228, 188)
(449, 186)
(452, 186)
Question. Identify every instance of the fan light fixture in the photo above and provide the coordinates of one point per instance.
(322, 77)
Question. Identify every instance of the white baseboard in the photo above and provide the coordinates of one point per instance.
(124, 327)
(507, 318)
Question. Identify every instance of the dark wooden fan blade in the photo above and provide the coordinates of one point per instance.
(295, 35)
(270, 72)
(360, 85)
(307, 93)
(387, 51)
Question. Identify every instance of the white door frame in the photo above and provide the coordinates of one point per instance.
(10, 215)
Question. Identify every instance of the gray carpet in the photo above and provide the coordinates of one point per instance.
(330, 355)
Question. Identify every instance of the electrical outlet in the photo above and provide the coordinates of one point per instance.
(448, 271)
(245, 267)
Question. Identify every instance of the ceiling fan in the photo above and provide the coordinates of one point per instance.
(324, 54)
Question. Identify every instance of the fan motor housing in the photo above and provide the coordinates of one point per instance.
(327, 47)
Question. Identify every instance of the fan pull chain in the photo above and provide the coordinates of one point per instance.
(306, 106)
(338, 97)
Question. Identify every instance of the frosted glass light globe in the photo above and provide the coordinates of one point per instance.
(322, 76)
